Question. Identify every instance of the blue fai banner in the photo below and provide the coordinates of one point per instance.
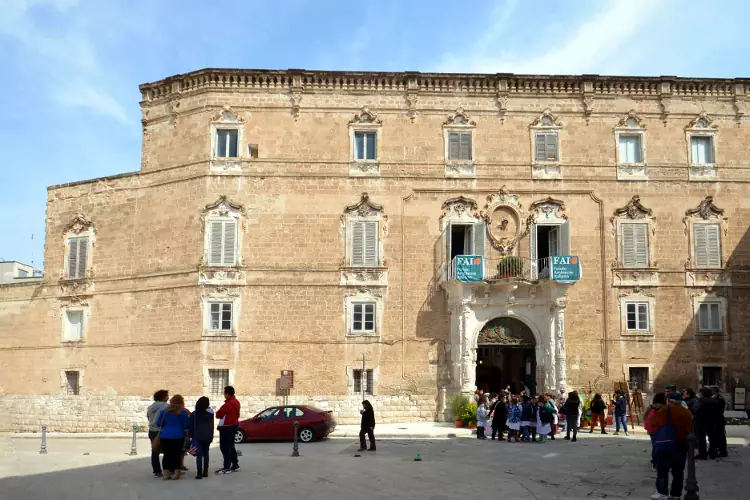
(469, 268)
(566, 268)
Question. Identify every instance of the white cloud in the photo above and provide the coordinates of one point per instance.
(66, 58)
(591, 47)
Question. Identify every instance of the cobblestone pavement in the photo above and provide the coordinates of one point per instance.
(595, 467)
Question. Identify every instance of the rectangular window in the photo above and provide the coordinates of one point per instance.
(226, 143)
(711, 376)
(23, 273)
(73, 325)
(358, 381)
(218, 379)
(701, 150)
(637, 316)
(709, 317)
(545, 147)
(631, 149)
(221, 317)
(78, 249)
(364, 249)
(459, 146)
(363, 318)
(634, 245)
(72, 382)
(638, 377)
(365, 145)
(707, 245)
(222, 245)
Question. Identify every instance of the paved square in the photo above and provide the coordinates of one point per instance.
(595, 467)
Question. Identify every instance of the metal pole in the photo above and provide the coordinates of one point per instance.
(295, 450)
(43, 451)
(133, 446)
(691, 484)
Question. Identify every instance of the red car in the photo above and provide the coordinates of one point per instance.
(277, 424)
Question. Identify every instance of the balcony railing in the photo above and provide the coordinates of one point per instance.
(512, 269)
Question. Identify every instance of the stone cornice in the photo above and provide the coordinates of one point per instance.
(498, 85)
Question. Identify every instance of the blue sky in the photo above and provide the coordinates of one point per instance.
(71, 68)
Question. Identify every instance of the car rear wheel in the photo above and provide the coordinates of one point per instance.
(306, 435)
(240, 436)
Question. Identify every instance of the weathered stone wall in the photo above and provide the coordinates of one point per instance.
(145, 291)
(105, 412)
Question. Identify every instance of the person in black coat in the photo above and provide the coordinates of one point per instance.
(706, 410)
(499, 412)
(570, 409)
(201, 430)
(721, 432)
(367, 426)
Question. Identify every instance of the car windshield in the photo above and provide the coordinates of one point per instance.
(268, 413)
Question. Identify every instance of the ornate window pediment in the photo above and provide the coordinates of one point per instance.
(364, 227)
(79, 224)
(630, 147)
(458, 136)
(545, 146)
(548, 210)
(364, 144)
(227, 140)
(704, 226)
(634, 227)
(79, 238)
(224, 223)
(459, 209)
(546, 120)
(700, 134)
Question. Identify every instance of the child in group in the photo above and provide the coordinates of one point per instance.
(534, 418)
(527, 414)
(482, 418)
(545, 412)
(514, 419)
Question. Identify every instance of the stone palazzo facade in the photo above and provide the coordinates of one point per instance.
(314, 221)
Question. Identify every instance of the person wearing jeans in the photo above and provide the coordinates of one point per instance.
(671, 456)
(152, 414)
(621, 412)
(229, 417)
(201, 430)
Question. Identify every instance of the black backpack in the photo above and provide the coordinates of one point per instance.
(545, 415)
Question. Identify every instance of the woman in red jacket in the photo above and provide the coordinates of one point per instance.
(229, 417)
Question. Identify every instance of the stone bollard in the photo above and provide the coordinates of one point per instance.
(691, 483)
(43, 451)
(295, 449)
(133, 446)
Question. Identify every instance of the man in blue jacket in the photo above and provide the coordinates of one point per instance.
(621, 412)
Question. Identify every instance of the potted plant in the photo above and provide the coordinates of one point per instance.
(458, 405)
(510, 267)
(470, 415)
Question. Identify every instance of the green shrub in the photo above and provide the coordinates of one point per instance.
(470, 413)
(458, 405)
(510, 266)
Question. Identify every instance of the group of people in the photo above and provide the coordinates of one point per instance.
(175, 432)
(669, 421)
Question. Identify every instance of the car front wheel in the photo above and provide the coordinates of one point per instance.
(306, 435)
(240, 437)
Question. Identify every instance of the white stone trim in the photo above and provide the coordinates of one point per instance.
(85, 309)
(459, 122)
(637, 297)
(701, 126)
(363, 296)
(223, 210)
(365, 121)
(350, 379)
(710, 298)
(546, 123)
(221, 294)
(631, 125)
(207, 379)
(227, 119)
(85, 230)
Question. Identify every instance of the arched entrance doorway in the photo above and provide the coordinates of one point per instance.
(506, 355)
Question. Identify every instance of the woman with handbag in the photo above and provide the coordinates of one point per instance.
(173, 427)
(201, 430)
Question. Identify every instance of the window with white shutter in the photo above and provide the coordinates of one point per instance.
(363, 317)
(707, 243)
(364, 243)
(459, 146)
(77, 257)
(73, 325)
(222, 242)
(634, 245)
(545, 147)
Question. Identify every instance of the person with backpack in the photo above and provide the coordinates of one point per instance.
(527, 413)
(660, 399)
(499, 414)
(571, 409)
(545, 412)
(201, 430)
(598, 407)
(672, 424)
(229, 418)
